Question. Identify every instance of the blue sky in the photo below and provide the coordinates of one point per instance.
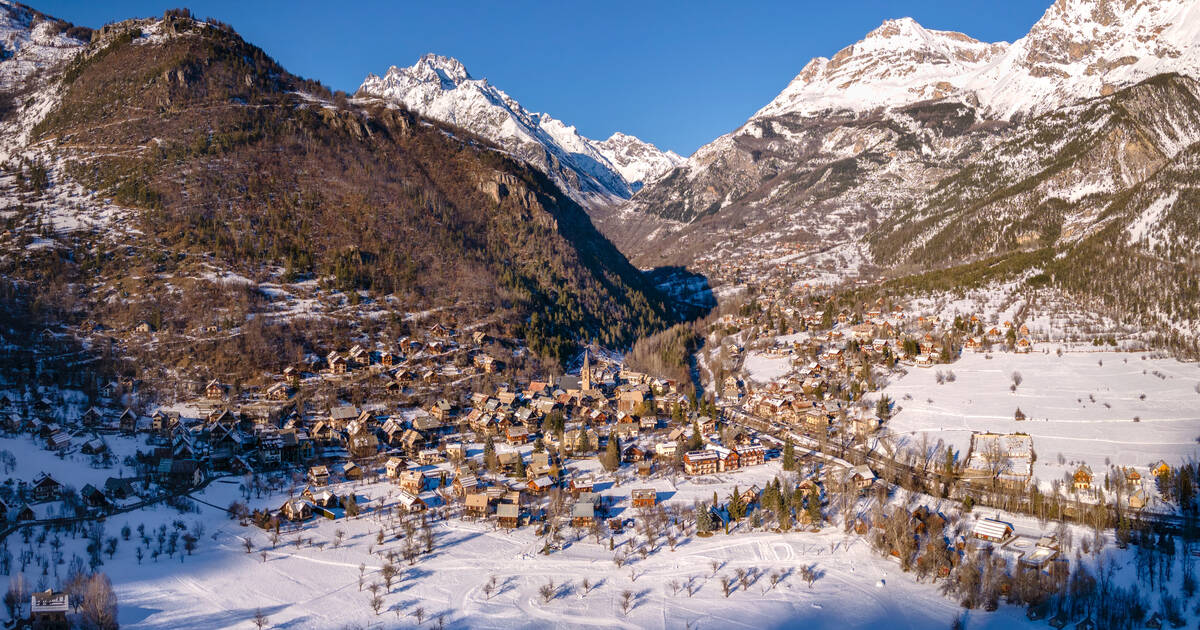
(674, 73)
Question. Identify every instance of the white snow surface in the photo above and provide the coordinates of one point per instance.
(1081, 405)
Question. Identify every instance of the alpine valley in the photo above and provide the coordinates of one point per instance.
(914, 346)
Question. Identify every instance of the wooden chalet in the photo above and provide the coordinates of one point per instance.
(409, 502)
(45, 488)
(644, 497)
(214, 390)
(477, 505)
(295, 510)
(318, 475)
(583, 514)
(508, 515)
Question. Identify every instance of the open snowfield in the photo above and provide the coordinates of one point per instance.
(318, 588)
(764, 368)
(1081, 405)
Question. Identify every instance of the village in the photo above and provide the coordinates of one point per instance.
(792, 436)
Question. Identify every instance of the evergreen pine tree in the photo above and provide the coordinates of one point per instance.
(789, 456)
(814, 506)
(519, 469)
(489, 455)
(612, 453)
(704, 522)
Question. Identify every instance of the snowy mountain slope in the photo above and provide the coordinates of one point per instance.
(899, 62)
(638, 161)
(30, 45)
(590, 171)
(1078, 49)
(948, 97)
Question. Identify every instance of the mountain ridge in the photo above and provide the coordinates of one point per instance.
(592, 172)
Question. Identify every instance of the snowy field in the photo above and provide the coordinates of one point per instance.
(318, 588)
(1080, 405)
(765, 368)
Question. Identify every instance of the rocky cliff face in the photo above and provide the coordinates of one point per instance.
(593, 173)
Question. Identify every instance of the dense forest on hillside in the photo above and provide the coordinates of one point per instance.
(233, 162)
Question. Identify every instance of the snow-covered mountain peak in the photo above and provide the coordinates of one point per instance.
(1088, 48)
(591, 172)
(898, 62)
(638, 161)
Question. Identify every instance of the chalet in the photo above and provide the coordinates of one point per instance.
(337, 363)
(1082, 478)
(412, 481)
(1024, 345)
(350, 471)
(48, 610)
(394, 466)
(465, 484)
(321, 498)
(516, 434)
(360, 355)
(118, 488)
(487, 363)
(456, 450)
(45, 488)
(409, 502)
(924, 360)
(362, 443)
(666, 449)
(645, 467)
(701, 462)
(94, 446)
(1161, 468)
(92, 496)
(542, 464)
(214, 390)
(279, 391)
(163, 421)
(862, 476)
(91, 417)
(580, 484)
(582, 440)
(991, 530)
(143, 327)
(128, 421)
(750, 455)
(387, 358)
(429, 457)
(644, 497)
(318, 475)
(583, 514)
(442, 410)
(541, 484)
(58, 441)
(508, 515)
(476, 505)
(631, 400)
(180, 473)
(291, 376)
(295, 510)
(633, 453)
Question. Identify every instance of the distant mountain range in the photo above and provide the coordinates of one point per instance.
(592, 172)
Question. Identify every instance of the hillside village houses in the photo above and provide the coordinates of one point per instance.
(235, 429)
